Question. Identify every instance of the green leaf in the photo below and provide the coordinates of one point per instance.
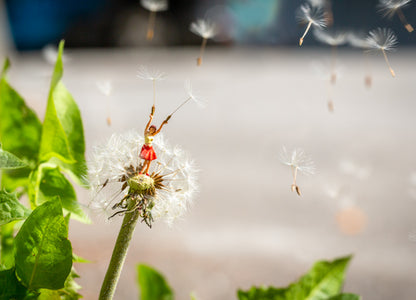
(43, 253)
(10, 287)
(324, 280)
(69, 292)
(20, 132)
(6, 66)
(48, 182)
(345, 297)
(11, 209)
(153, 285)
(262, 293)
(7, 245)
(63, 134)
(9, 161)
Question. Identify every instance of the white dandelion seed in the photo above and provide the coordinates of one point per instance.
(191, 97)
(153, 6)
(334, 39)
(153, 75)
(114, 168)
(105, 87)
(298, 160)
(391, 7)
(205, 29)
(357, 40)
(383, 39)
(311, 15)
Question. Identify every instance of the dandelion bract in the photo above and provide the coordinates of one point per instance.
(113, 174)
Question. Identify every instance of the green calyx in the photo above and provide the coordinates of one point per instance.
(141, 184)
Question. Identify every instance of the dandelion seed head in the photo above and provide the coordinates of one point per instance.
(155, 5)
(204, 28)
(389, 7)
(146, 74)
(311, 14)
(332, 38)
(105, 87)
(382, 39)
(118, 159)
(299, 160)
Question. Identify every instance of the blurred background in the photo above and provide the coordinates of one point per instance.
(264, 92)
(114, 23)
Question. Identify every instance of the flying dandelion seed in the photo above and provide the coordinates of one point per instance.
(384, 40)
(334, 39)
(391, 7)
(153, 6)
(118, 186)
(205, 29)
(191, 97)
(105, 87)
(298, 161)
(311, 15)
(358, 40)
(153, 75)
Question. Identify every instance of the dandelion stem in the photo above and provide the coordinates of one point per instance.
(388, 64)
(404, 20)
(151, 26)
(201, 51)
(304, 34)
(119, 254)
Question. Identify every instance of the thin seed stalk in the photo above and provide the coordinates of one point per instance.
(151, 26)
(333, 64)
(304, 34)
(388, 64)
(119, 254)
(403, 19)
(201, 51)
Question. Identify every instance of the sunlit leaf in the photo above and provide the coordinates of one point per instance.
(43, 253)
(9, 161)
(7, 246)
(63, 134)
(48, 182)
(323, 281)
(153, 285)
(11, 209)
(20, 132)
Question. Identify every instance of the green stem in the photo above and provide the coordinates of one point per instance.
(119, 255)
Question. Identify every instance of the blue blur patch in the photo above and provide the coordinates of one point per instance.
(252, 16)
(36, 23)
